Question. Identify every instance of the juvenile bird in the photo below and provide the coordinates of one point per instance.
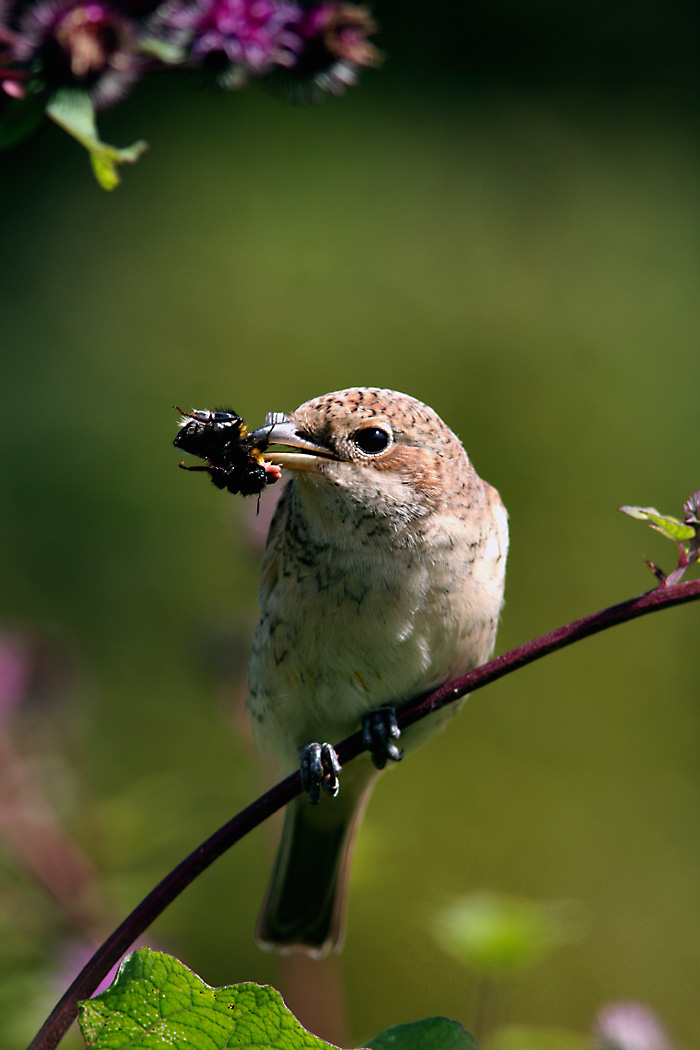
(382, 577)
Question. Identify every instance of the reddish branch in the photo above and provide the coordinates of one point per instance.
(180, 877)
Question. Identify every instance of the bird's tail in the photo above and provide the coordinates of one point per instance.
(304, 905)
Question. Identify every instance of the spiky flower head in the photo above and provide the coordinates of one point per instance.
(89, 45)
(336, 46)
(237, 39)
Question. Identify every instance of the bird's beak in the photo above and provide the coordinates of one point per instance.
(282, 430)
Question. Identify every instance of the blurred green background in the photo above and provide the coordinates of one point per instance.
(504, 222)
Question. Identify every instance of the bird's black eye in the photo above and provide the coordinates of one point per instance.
(371, 440)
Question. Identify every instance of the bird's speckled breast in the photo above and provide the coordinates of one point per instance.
(360, 617)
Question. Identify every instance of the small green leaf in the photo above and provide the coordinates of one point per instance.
(674, 529)
(641, 513)
(434, 1033)
(72, 110)
(156, 1001)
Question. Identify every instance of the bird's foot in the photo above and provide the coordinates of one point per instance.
(379, 730)
(319, 768)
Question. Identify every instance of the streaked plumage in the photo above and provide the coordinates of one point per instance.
(382, 577)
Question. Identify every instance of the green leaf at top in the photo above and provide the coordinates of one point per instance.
(72, 110)
(671, 527)
(156, 1001)
(434, 1033)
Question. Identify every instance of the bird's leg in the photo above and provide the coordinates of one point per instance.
(319, 768)
(379, 730)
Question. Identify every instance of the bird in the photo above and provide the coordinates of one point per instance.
(382, 578)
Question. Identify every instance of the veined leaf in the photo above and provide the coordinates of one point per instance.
(156, 1001)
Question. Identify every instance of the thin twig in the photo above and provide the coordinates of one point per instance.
(199, 860)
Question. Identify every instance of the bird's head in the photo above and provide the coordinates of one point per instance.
(374, 452)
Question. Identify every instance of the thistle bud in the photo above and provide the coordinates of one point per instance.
(336, 47)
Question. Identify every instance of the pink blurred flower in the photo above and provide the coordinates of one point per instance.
(628, 1026)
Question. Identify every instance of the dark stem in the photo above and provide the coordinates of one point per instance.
(173, 884)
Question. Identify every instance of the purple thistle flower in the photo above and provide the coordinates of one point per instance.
(89, 45)
(628, 1026)
(254, 33)
(239, 38)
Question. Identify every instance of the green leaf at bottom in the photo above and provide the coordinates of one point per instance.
(156, 1001)
(434, 1033)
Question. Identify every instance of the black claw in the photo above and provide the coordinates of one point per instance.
(379, 729)
(319, 768)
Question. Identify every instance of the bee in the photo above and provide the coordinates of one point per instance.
(234, 456)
